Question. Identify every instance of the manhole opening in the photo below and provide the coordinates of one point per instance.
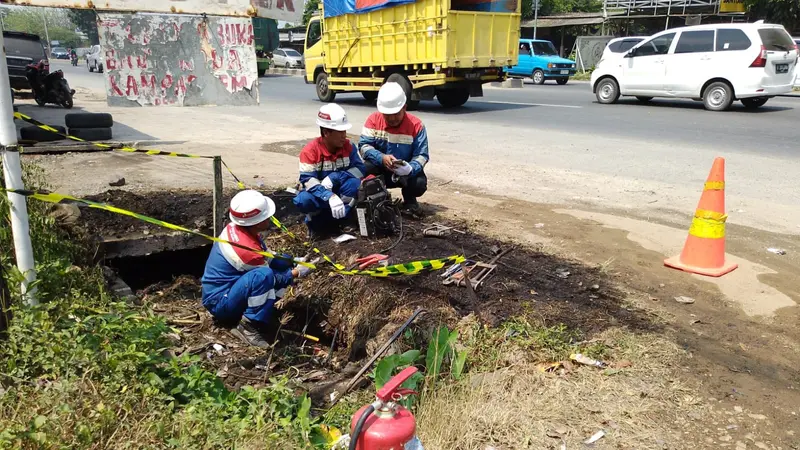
(140, 272)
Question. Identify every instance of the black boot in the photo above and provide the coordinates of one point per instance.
(250, 334)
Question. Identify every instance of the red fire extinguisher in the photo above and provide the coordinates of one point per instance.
(385, 424)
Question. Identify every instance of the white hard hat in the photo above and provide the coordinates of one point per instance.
(250, 208)
(391, 98)
(333, 117)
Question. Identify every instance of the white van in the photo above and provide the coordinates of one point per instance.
(716, 63)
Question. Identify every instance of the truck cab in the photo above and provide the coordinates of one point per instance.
(314, 64)
(539, 60)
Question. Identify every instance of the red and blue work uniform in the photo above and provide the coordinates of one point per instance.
(407, 141)
(345, 169)
(240, 282)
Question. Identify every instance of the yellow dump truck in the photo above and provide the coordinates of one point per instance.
(434, 48)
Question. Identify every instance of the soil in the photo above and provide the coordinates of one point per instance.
(607, 280)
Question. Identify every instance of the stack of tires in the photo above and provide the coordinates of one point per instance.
(90, 126)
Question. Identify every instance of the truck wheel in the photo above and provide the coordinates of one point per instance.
(562, 81)
(89, 120)
(370, 96)
(34, 133)
(452, 98)
(404, 83)
(324, 92)
(537, 76)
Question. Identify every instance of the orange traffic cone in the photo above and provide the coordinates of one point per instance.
(704, 251)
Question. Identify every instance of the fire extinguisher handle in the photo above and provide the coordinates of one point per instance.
(392, 387)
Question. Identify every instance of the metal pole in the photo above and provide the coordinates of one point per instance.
(12, 171)
(218, 205)
(46, 34)
(535, 17)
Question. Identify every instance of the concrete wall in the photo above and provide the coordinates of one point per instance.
(178, 60)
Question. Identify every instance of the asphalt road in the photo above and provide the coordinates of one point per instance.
(555, 144)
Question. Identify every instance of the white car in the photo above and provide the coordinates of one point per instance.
(620, 46)
(797, 68)
(288, 58)
(716, 63)
(95, 60)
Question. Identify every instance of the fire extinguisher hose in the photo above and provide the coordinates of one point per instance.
(357, 430)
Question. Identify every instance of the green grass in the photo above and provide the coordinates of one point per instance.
(86, 370)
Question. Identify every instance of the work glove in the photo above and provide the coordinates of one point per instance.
(403, 170)
(337, 207)
(327, 183)
(302, 271)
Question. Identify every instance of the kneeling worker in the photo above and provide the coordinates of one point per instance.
(394, 144)
(330, 172)
(241, 286)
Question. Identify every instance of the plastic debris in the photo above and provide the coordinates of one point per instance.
(344, 238)
(777, 251)
(585, 360)
(684, 300)
(218, 348)
(291, 190)
(595, 437)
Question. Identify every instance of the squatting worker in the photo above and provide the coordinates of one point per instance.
(330, 172)
(394, 144)
(241, 286)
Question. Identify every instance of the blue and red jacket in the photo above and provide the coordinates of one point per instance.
(317, 163)
(407, 141)
(227, 263)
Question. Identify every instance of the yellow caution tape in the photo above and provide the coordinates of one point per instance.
(411, 268)
(44, 126)
(708, 224)
(715, 186)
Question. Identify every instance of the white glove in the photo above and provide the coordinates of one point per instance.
(337, 207)
(403, 170)
(327, 183)
(302, 271)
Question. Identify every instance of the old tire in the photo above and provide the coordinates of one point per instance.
(754, 103)
(537, 76)
(34, 133)
(718, 96)
(607, 91)
(370, 96)
(562, 81)
(89, 120)
(324, 92)
(452, 98)
(643, 98)
(91, 134)
(404, 83)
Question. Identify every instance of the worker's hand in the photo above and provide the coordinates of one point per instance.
(337, 207)
(300, 271)
(327, 183)
(388, 162)
(403, 170)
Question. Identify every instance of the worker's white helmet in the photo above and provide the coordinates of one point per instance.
(391, 98)
(333, 117)
(250, 208)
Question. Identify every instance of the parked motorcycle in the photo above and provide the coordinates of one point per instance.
(49, 87)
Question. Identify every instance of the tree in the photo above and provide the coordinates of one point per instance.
(785, 12)
(31, 20)
(310, 8)
(86, 21)
(553, 7)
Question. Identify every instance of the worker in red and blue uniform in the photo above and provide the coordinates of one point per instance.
(330, 172)
(394, 144)
(239, 285)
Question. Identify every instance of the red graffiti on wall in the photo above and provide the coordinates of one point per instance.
(236, 34)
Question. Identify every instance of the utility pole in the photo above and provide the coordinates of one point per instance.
(46, 34)
(535, 16)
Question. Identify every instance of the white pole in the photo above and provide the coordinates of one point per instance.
(535, 17)
(12, 171)
(46, 34)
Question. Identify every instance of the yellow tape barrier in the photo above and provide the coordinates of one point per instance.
(44, 126)
(411, 268)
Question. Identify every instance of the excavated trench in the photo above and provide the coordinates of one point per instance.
(163, 270)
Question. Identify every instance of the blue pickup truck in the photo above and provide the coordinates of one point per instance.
(539, 60)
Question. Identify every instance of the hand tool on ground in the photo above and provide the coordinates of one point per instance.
(475, 271)
(436, 231)
(371, 260)
(377, 355)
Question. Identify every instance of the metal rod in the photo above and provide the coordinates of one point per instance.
(219, 207)
(535, 17)
(377, 355)
(12, 171)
